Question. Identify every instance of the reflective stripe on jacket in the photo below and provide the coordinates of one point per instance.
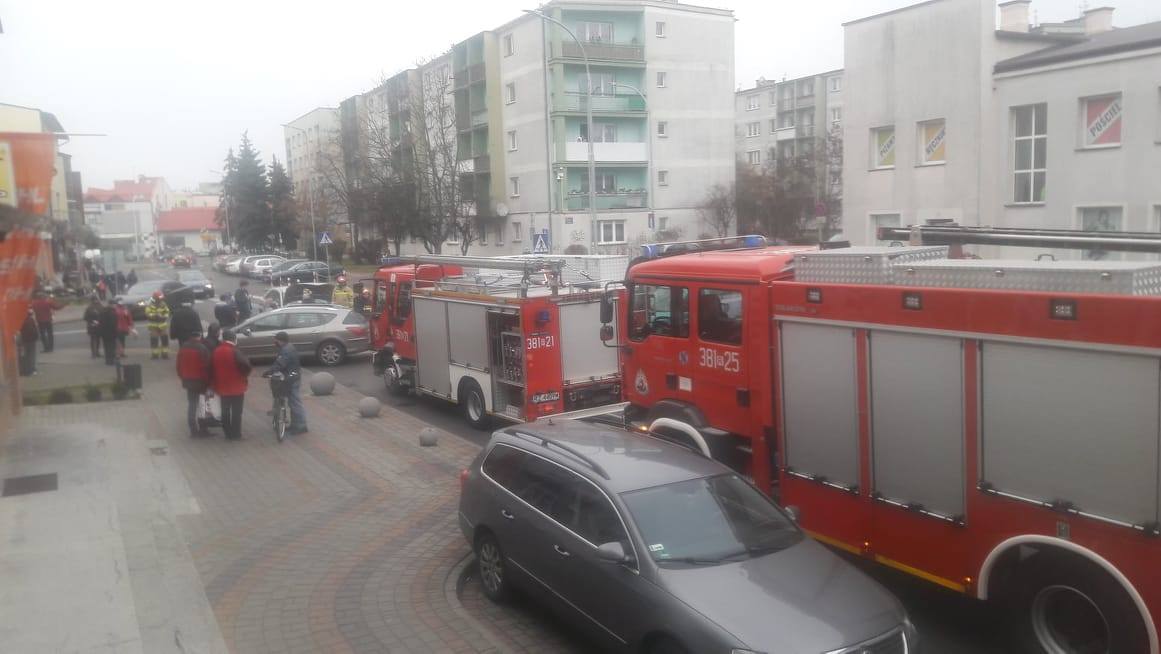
(157, 314)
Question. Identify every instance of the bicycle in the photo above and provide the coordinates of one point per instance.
(280, 412)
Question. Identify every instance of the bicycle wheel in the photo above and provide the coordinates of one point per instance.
(280, 419)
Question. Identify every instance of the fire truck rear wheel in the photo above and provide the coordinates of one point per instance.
(392, 378)
(1068, 605)
(474, 406)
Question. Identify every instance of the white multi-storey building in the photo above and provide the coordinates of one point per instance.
(778, 120)
(312, 142)
(1053, 126)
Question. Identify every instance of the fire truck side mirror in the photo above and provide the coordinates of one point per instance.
(606, 333)
(606, 312)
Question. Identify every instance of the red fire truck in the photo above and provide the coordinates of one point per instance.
(989, 426)
(510, 340)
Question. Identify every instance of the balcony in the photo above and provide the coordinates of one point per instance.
(626, 103)
(578, 200)
(479, 117)
(482, 164)
(608, 51)
(805, 131)
(605, 152)
(785, 133)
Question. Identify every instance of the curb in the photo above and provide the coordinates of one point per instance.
(453, 586)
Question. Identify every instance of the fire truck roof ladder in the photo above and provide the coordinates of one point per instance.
(1019, 236)
(671, 248)
(550, 268)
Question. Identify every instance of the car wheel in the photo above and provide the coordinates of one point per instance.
(331, 353)
(474, 406)
(666, 645)
(493, 567)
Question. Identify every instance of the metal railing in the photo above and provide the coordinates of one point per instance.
(604, 50)
(619, 200)
(577, 101)
(479, 117)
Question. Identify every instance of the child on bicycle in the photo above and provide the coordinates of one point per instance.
(288, 364)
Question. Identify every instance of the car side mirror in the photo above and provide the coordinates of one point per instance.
(613, 552)
(794, 512)
(606, 333)
(248, 331)
(606, 310)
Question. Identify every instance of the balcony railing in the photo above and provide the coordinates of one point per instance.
(604, 50)
(477, 73)
(576, 101)
(479, 117)
(482, 164)
(579, 151)
(577, 201)
(805, 131)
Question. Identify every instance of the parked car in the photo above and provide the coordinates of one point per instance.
(260, 268)
(280, 296)
(284, 265)
(181, 261)
(324, 332)
(307, 271)
(220, 262)
(197, 280)
(651, 547)
(139, 294)
(248, 261)
(232, 265)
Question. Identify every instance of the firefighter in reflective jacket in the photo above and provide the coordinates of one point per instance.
(342, 295)
(157, 315)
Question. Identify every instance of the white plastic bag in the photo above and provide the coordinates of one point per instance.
(209, 407)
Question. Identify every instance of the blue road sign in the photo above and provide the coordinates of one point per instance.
(325, 239)
(541, 243)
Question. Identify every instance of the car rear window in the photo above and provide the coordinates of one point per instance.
(355, 318)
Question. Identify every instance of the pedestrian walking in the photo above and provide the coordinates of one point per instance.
(157, 318)
(43, 306)
(102, 289)
(92, 320)
(185, 322)
(242, 301)
(225, 312)
(107, 327)
(124, 326)
(342, 294)
(213, 336)
(287, 362)
(29, 334)
(119, 278)
(193, 368)
(131, 278)
(229, 370)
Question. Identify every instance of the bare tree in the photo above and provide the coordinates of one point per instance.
(719, 209)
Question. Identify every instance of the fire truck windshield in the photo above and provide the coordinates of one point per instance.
(659, 310)
(709, 520)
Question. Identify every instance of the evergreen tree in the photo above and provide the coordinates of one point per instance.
(247, 193)
(229, 166)
(283, 212)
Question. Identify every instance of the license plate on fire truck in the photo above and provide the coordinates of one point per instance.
(541, 398)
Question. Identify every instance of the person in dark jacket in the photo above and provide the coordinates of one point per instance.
(131, 278)
(107, 327)
(225, 312)
(193, 368)
(29, 334)
(287, 362)
(213, 336)
(120, 279)
(92, 320)
(242, 301)
(184, 323)
(228, 370)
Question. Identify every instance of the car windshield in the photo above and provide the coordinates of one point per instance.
(145, 288)
(709, 520)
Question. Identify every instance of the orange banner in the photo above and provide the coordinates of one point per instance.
(18, 253)
(26, 170)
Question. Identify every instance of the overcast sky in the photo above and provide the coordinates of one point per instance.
(174, 84)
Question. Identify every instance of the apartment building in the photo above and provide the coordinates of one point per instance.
(779, 120)
(313, 143)
(952, 116)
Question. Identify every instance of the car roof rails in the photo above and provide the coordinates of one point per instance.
(549, 443)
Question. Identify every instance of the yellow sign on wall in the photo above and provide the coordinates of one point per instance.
(933, 136)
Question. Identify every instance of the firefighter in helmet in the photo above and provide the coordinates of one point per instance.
(157, 316)
(342, 295)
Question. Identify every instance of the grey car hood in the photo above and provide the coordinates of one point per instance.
(802, 600)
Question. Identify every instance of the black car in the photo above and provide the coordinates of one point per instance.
(196, 279)
(141, 293)
(307, 271)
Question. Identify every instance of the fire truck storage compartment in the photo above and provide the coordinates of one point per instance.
(1071, 425)
(432, 371)
(468, 345)
(870, 264)
(584, 357)
(507, 358)
(917, 420)
(819, 404)
(1119, 277)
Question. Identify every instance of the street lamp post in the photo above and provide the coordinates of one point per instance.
(648, 139)
(310, 192)
(591, 132)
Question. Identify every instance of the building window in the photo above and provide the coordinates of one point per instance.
(509, 45)
(932, 141)
(663, 178)
(753, 102)
(806, 88)
(753, 129)
(482, 231)
(754, 157)
(661, 79)
(1100, 121)
(1099, 219)
(514, 184)
(611, 231)
(773, 125)
(836, 84)
(510, 93)
(773, 98)
(512, 140)
(597, 32)
(1030, 151)
(603, 83)
(660, 29)
(883, 147)
(499, 233)
(662, 223)
(786, 120)
(662, 128)
(836, 115)
(606, 183)
(517, 231)
(883, 220)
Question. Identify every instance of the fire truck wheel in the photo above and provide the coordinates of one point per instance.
(665, 645)
(393, 380)
(474, 406)
(1068, 604)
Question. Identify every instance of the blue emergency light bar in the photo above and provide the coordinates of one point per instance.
(748, 242)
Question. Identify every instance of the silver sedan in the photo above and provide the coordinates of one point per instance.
(324, 332)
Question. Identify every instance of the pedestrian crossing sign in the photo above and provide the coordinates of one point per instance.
(325, 239)
(541, 243)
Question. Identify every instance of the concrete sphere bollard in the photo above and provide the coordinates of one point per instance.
(428, 437)
(322, 383)
(369, 407)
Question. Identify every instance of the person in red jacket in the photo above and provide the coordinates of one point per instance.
(193, 367)
(43, 306)
(124, 326)
(228, 370)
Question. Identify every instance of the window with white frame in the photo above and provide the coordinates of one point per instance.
(753, 102)
(596, 31)
(754, 157)
(806, 88)
(510, 93)
(1029, 153)
(753, 129)
(773, 98)
(514, 186)
(931, 139)
(836, 115)
(517, 231)
(662, 78)
(836, 84)
(659, 29)
(663, 178)
(662, 222)
(883, 147)
(509, 45)
(662, 128)
(512, 140)
(883, 220)
(773, 125)
(498, 232)
(1100, 121)
(604, 83)
(611, 231)
(786, 120)
(606, 183)
(1099, 219)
